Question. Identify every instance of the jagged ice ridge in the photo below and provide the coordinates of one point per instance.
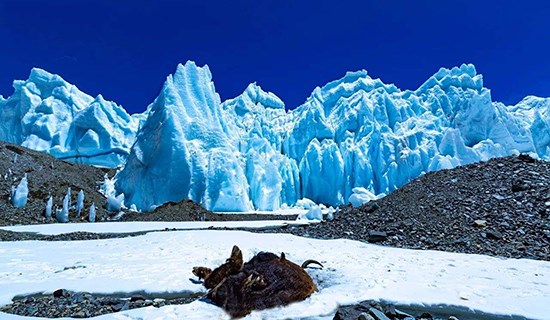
(46, 113)
(355, 133)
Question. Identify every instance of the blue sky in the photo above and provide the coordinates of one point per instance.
(125, 49)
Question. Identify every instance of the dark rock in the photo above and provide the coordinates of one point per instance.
(32, 310)
(352, 312)
(377, 314)
(390, 311)
(462, 241)
(425, 315)
(526, 158)
(371, 207)
(80, 305)
(137, 298)
(365, 316)
(61, 293)
(403, 315)
(120, 306)
(81, 314)
(89, 297)
(377, 236)
(494, 235)
(517, 187)
(77, 297)
(109, 301)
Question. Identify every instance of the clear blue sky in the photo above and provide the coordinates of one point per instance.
(125, 49)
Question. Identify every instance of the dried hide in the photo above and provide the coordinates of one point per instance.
(266, 281)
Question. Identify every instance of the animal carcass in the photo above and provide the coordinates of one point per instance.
(266, 281)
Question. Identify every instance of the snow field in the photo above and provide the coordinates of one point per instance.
(354, 271)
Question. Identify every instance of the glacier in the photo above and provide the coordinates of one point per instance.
(183, 149)
(355, 132)
(46, 113)
(354, 137)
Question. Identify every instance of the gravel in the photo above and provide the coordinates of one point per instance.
(376, 310)
(187, 210)
(46, 176)
(469, 209)
(500, 207)
(64, 303)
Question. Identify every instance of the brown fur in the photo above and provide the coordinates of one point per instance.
(266, 281)
(213, 277)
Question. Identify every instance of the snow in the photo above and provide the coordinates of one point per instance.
(305, 203)
(282, 211)
(114, 204)
(361, 196)
(19, 196)
(249, 153)
(354, 271)
(129, 227)
(330, 213)
(314, 213)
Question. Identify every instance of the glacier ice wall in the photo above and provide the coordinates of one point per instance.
(355, 132)
(46, 113)
(250, 153)
(183, 149)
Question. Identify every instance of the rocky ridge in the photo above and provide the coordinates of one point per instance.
(46, 176)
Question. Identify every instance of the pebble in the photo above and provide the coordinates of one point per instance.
(374, 310)
(494, 235)
(64, 303)
(365, 316)
(480, 223)
(377, 236)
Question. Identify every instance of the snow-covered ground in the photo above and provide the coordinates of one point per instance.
(161, 262)
(136, 226)
(288, 211)
(280, 212)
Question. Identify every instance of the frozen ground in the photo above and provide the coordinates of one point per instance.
(281, 212)
(162, 262)
(129, 227)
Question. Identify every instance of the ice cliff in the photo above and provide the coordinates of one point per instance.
(48, 114)
(355, 133)
(184, 149)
